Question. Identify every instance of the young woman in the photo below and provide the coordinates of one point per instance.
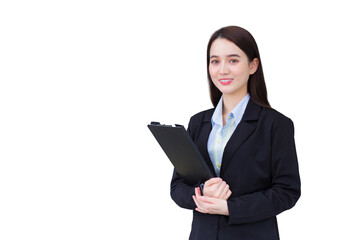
(248, 145)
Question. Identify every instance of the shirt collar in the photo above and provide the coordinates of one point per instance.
(237, 112)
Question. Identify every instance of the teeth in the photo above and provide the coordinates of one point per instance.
(225, 80)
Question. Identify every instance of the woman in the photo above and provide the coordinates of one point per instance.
(248, 145)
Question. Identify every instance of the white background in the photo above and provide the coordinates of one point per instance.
(80, 80)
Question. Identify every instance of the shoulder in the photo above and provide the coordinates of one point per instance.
(267, 116)
(276, 120)
(274, 114)
(202, 116)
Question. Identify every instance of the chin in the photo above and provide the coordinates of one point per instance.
(227, 90)
(234, 92)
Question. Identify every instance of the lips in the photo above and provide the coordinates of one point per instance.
(226, 81)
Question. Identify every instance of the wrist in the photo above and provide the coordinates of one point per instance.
(225, 208)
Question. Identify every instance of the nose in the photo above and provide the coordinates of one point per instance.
(224, 70)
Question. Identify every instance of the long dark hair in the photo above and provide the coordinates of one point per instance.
(245, 41)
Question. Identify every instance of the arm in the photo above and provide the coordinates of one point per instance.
(285, 187)
(182, 193)
(216, 192)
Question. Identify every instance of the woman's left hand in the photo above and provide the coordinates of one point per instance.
(210, 205)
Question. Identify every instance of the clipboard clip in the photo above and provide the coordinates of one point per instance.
(164, 125)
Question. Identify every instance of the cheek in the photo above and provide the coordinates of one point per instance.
(241, 72)
(213, 76)
(212, 71)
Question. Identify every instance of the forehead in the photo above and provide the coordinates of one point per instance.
(224, 47)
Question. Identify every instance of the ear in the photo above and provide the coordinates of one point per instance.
(254, 65)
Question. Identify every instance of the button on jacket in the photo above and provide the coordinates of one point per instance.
(259, 164)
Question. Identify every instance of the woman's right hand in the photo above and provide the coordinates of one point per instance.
(216, 188)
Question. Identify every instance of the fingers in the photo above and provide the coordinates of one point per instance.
(223, 186)
(197, 191)
(212, 181)
(217, 188)
(199, 205)
(227, 195)
(223, 191)
(205, 200)
(199, 208)
(211, 186)
(203, 204)
(211, 205)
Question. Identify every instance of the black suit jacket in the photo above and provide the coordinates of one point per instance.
(259, 164)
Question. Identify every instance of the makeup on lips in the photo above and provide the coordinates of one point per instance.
(225, 81)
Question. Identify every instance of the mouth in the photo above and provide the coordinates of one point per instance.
(226, 81)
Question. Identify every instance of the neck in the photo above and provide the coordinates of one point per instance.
(230, 102)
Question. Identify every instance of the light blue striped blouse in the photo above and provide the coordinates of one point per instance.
(220, 134)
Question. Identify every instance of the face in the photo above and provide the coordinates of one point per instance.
(230, 68)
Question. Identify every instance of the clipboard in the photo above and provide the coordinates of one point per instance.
(182, 152)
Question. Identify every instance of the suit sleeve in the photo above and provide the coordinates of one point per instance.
(181, 192)
(285, 184)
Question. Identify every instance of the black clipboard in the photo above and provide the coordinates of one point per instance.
(182, 152)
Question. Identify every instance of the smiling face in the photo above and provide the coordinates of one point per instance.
(230, 68)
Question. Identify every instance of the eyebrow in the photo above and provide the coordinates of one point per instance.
(231, 55)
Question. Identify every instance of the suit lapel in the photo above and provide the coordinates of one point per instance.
(204, 134)
(245, 128)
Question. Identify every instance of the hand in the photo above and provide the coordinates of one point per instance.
(210, 205)
(216, 188)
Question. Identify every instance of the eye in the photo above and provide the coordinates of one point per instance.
(234, 61)
(214, 61)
